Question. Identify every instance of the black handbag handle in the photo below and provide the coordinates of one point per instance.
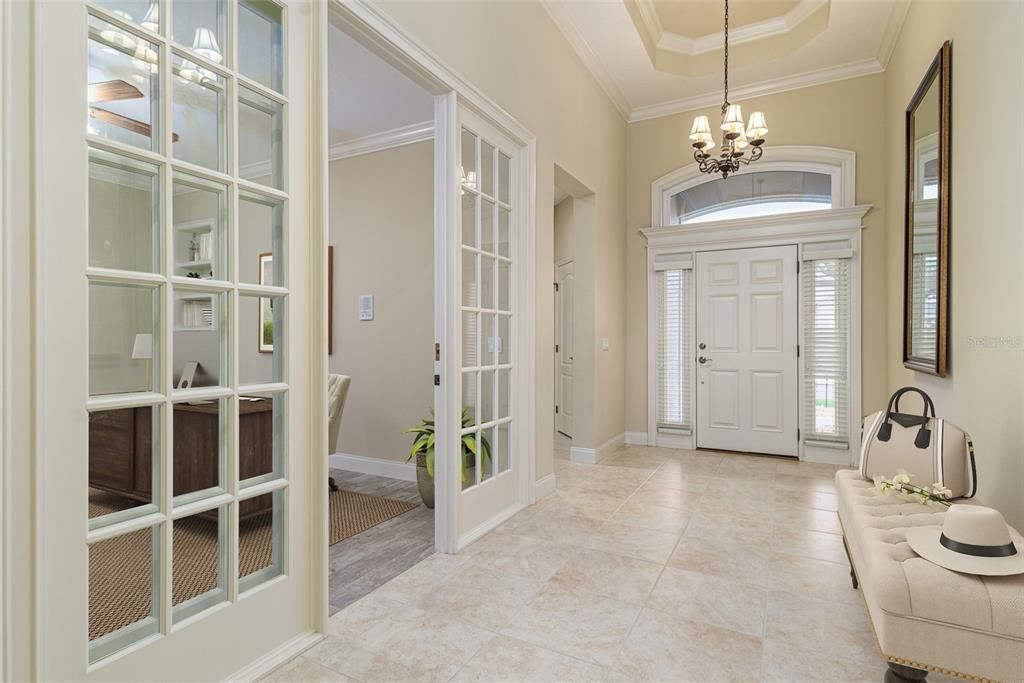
(924, 435)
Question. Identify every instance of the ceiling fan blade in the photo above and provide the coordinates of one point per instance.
(108, 91)
(124, 122)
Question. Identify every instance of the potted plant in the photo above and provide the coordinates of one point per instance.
(423, 451)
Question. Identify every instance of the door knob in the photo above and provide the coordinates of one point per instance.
(702, 360)
(702, 346)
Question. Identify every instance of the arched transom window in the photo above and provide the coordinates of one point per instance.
(751, 194)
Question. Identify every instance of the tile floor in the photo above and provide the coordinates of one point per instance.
(655, 565)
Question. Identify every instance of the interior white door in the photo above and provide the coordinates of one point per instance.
(489, 456)
(564, 320)
(747, 350)
(175, 517)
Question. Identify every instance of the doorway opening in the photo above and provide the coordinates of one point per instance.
(380, 318)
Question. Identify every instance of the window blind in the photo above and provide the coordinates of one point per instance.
(675, 342)
(925, 320)
(826, 300)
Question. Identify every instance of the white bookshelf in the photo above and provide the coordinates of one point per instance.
(195, 313)
(195, 248)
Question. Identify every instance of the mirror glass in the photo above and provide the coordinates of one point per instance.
(927, 222)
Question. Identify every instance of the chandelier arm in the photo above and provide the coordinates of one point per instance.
(725, 104)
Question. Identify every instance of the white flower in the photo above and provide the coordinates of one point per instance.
(879, 483)
(941, 491)
(902, 477)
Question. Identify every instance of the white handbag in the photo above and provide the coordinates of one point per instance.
(934, 450)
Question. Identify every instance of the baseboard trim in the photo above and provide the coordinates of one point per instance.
(636, 438)
(545, 486)
(264, 665)
(592, 456)
(392, 469)
(478, 532)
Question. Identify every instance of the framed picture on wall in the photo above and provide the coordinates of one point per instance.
(266, 331)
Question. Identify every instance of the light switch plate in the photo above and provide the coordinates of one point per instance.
(366, 306)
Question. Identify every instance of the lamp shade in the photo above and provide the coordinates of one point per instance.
(115, 37)
(205, 44)
(701, 128)
(143, 347)
(740, 143)
(757, 128)
(733, 121)
(151, 21)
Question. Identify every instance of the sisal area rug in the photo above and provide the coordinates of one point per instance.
(120, 568)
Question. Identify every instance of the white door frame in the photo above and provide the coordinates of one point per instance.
(837, 229)
(377, 31)
(559, 316)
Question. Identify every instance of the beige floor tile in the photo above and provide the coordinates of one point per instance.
(663, 647)
(794, 482)
(816, 544)
(637, 513)
(633, 541)
(576, 624)
(304, 669)
(710, 600)
(679, 481)
(788, 663)
(805, 469)
(746, 466)
(414, 663)
(600, 573)
(749, 530)
(724, 558)
(808, 576)
(594, 505)
(839, 629)
(423, 578)
(513, 661)
(555, 525)
(666, 498)
(809, 499)
(807, 518)
(723, 501)
(635, 460)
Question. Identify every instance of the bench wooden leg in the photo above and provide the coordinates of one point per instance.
(898, 673)
(853, 574)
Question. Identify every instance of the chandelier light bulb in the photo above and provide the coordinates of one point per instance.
(757, 128)
(701, 128)
(205, 44)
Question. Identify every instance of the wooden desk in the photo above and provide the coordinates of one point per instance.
(121, 452)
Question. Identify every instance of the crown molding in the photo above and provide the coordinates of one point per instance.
(807, 79)
(378, 142)
(587, 55)
(893, 28)
(666, 40)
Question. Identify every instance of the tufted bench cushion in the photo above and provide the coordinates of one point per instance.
(926, 616)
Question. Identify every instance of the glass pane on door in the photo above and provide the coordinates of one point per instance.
(124, 213)
(199, 569)
(123, 338)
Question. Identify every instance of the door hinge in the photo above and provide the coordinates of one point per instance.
(556, 286)
(437, 380)
(437, 351)
(556, 348)
(798, 267)
(556, 410)
(797, 350)
(797, 433)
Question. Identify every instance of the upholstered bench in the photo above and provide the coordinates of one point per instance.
(925, 617)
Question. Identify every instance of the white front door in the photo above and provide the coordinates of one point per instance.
(564, 288)
(747, 350)
(174, 231)
(488, 459)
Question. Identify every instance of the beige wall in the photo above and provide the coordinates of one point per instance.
(563, 230)
(548, 89)
(847, 114)
(382, 230)
(982, 392)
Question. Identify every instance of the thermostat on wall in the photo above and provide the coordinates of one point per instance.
(366, 306)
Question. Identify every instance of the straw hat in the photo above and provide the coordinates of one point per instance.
(973, 540)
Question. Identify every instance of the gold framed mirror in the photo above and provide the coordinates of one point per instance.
(926, 221)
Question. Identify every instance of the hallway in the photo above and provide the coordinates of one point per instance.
(654, 565)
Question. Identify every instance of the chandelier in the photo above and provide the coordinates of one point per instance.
(739, 146)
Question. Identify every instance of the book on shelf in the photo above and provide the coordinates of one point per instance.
(202, 247)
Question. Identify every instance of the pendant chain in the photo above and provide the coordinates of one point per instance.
(725, 105)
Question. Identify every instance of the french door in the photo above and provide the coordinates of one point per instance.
(173, 477)
(747, 366)
(488, 456)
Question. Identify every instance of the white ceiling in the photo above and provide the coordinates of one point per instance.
(366, 95)
(653, 62)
